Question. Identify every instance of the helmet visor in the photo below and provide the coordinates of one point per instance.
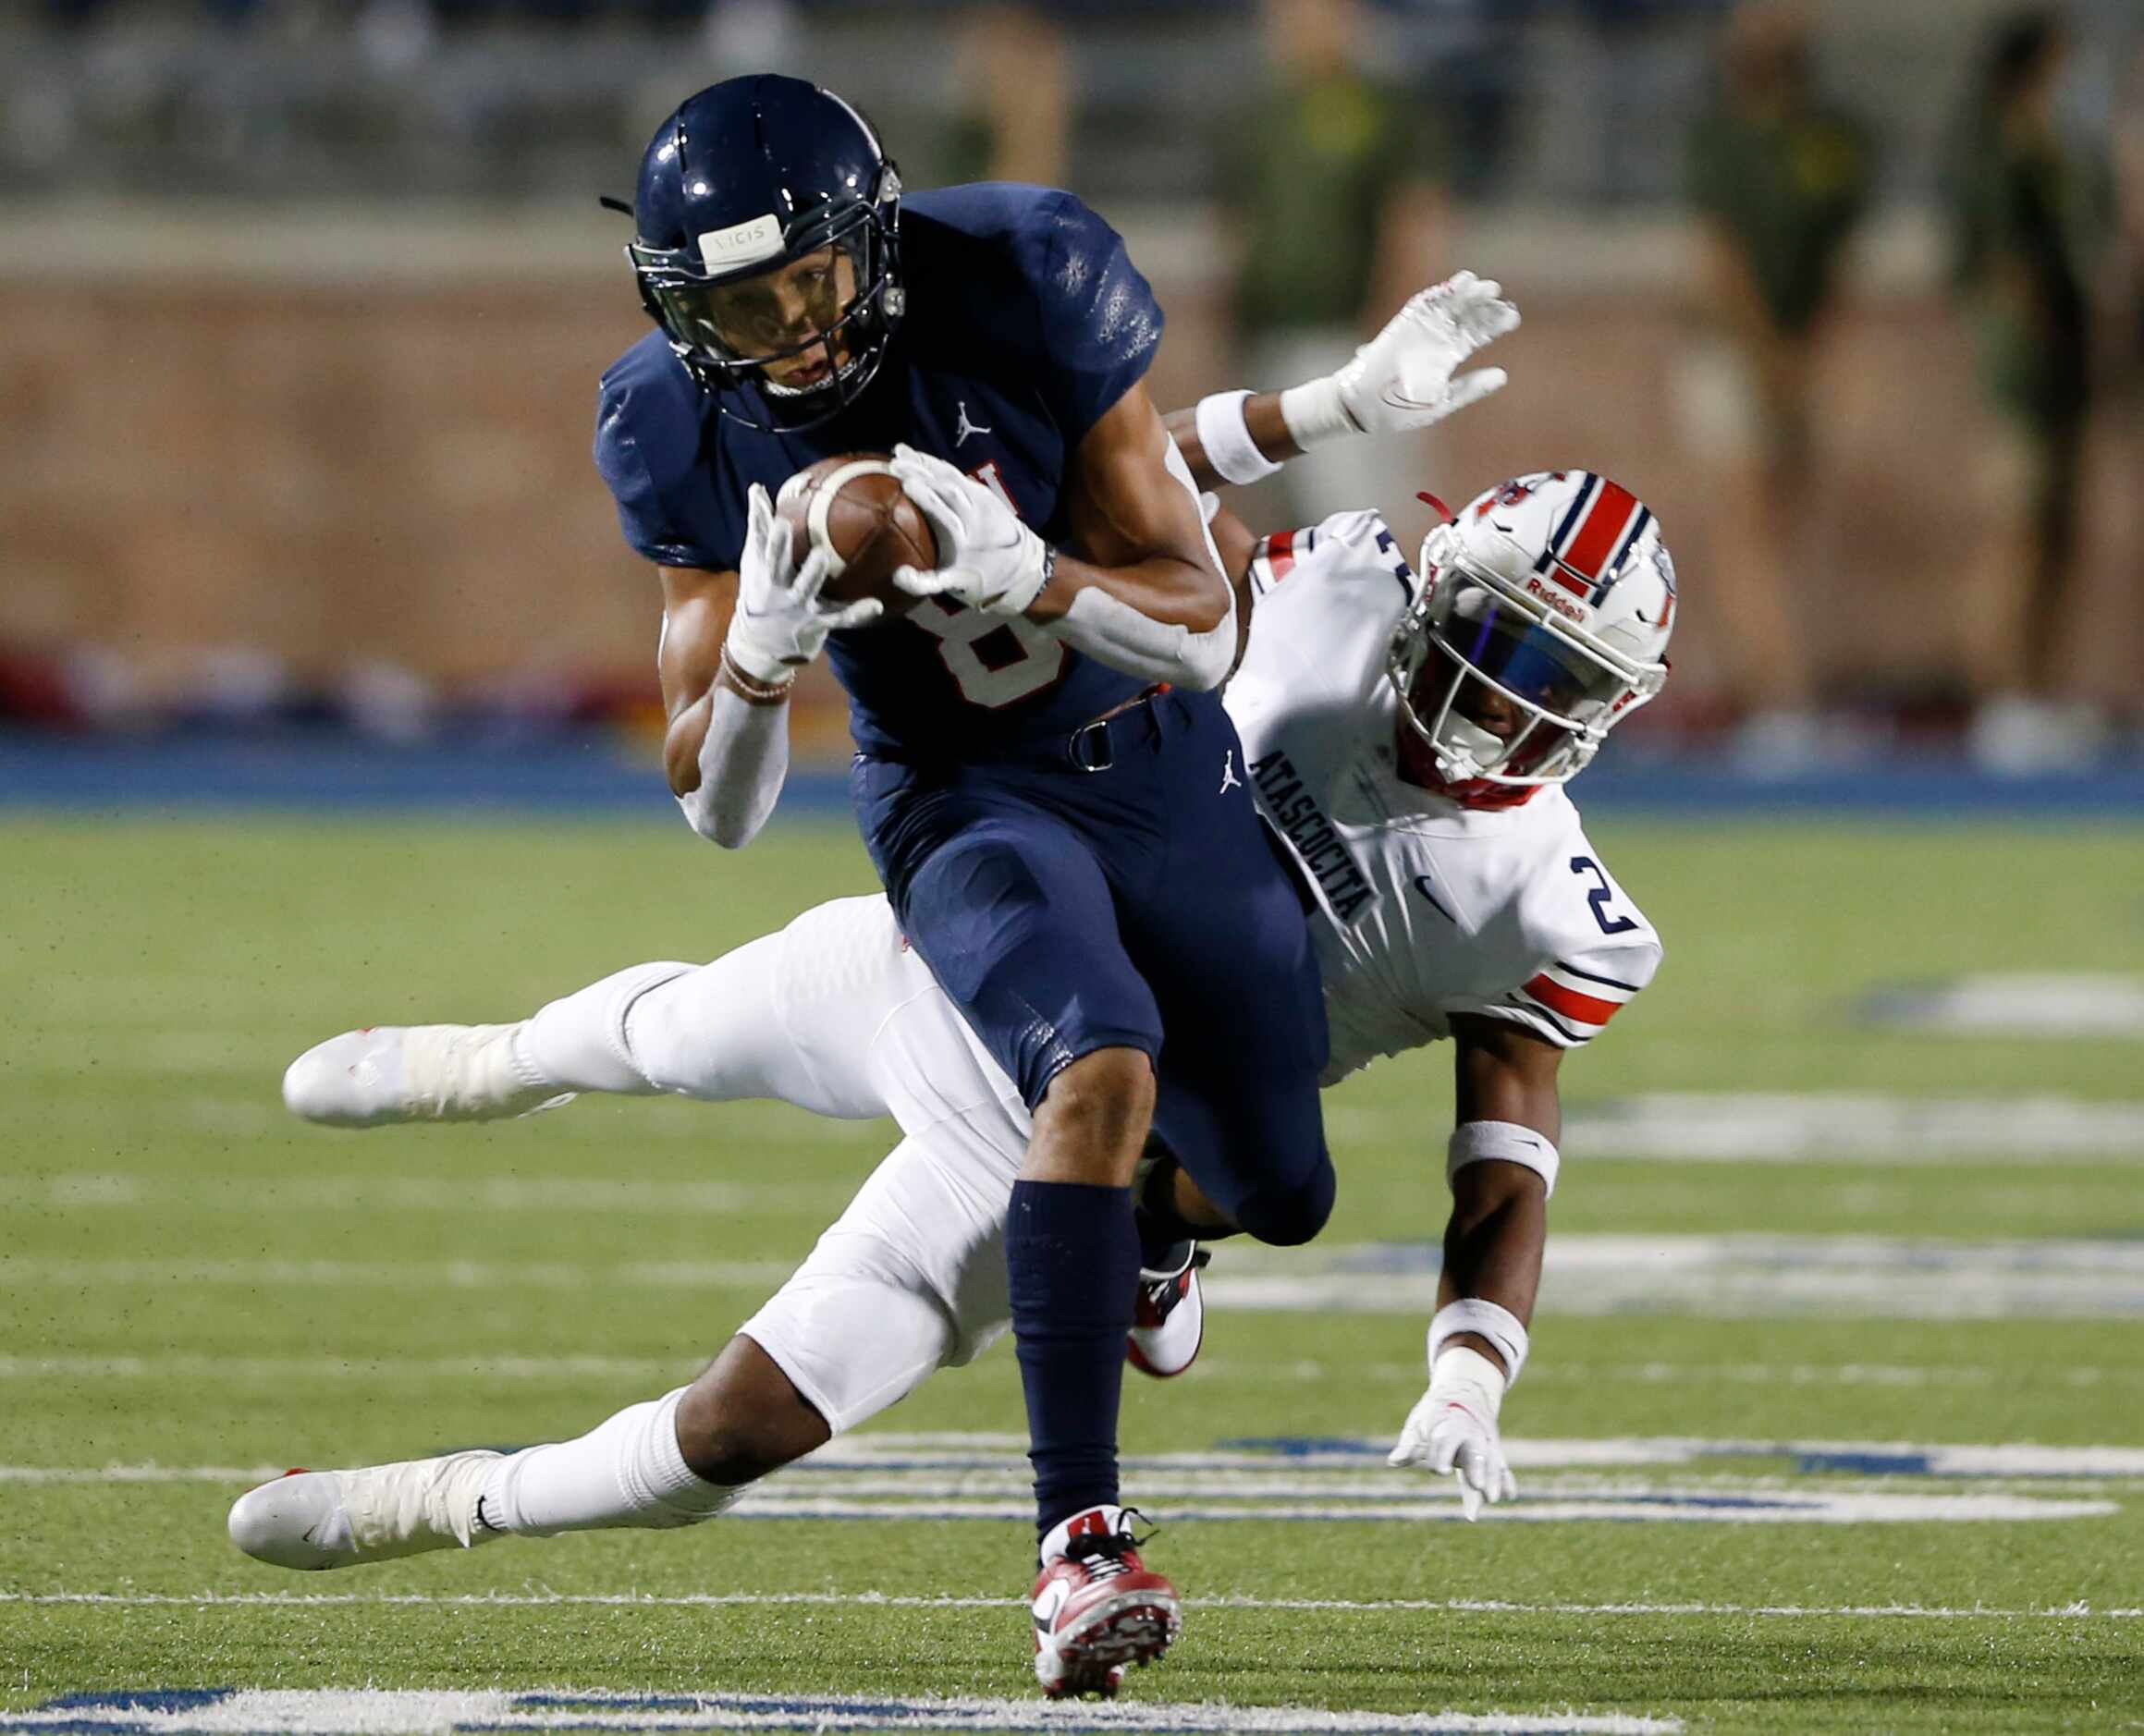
(1513, 650)
(766, 315)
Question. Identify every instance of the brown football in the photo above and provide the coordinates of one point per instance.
(853, 506)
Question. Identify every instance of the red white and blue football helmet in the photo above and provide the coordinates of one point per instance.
(1553, 590)
(746, 177)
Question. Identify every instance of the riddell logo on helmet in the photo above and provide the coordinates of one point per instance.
(1556, 600)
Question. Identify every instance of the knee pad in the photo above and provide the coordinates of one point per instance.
(1288, 1216)
(661, 1049)
(582, 1040)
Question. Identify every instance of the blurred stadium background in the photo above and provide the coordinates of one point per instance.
(302, 303)
(302, 307)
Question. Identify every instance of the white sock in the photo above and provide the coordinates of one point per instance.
(627, 1471)
(578, 1043)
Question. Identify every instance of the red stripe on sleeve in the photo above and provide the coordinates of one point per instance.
(1280, 554)
(1570, 1003)
(1604, 526)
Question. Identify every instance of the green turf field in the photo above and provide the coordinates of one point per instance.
(192, 1286)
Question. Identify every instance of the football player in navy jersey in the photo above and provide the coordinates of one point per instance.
(910, 1278)
(1045, 776)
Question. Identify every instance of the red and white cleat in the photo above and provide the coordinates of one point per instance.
(1169, 1321)
(1098, 1607)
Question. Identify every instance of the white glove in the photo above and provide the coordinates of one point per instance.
(1403, 377)
(987, 559)
(781, 624)
(1452, 1430)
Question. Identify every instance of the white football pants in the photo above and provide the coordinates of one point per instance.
(836, 1015)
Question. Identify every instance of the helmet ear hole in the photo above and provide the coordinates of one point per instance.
(1436, 551)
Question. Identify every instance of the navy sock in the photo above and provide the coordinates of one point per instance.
(1072, 1255)
(1161, 1232)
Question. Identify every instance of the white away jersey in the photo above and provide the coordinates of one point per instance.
(1428, 907)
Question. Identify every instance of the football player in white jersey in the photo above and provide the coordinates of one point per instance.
(1406, 733)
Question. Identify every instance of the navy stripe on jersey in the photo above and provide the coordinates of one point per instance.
(1594, 976)
(1541, 1012)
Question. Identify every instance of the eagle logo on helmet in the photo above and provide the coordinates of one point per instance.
(1511, 492)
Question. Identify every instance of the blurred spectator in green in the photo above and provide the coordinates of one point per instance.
(1010, 108)
(2029, 202)
(2129, 211)
(1333, 187)
(1778, 177)
(2126, 361)
(1468, 52)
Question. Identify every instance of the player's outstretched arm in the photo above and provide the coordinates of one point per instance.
(1138, 585)
(1501, 1165)
(732, 645)
(1405, 377)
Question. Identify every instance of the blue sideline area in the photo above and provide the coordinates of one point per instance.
(597, 772)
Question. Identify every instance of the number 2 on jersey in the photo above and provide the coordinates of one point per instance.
(1599, 897)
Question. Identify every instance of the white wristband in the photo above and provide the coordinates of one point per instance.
(1316, 413)
(1226, 438)
(1504, 1330)
(1477, 1142)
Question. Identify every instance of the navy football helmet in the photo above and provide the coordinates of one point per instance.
(768, 222)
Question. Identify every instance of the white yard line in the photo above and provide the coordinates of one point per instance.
(926, 1466)
(1696, 1373)
(413, 1274)
(461, 1192)
(1335, 1482)
(1436, 1505)
(1714, 1276)
(343, 1368)
(183, 1053)
(1750, 1275)
(263, 1116)
(2078, 1611)
(2038, 1007)
(1722, 1276)
(436, 1712)
(197, 1366)
(1820, 1126)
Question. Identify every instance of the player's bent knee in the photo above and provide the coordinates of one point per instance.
(1286, 1217)
(742, 1419)
(1093, 1121)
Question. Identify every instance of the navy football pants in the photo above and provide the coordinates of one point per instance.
(1141, 907)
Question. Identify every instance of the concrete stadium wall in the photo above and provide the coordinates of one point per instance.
(368, 443)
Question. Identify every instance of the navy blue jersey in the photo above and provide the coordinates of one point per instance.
(1026, 321)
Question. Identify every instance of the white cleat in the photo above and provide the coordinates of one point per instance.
(1169, 1317)
(311, 1520)
(388, 1073)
